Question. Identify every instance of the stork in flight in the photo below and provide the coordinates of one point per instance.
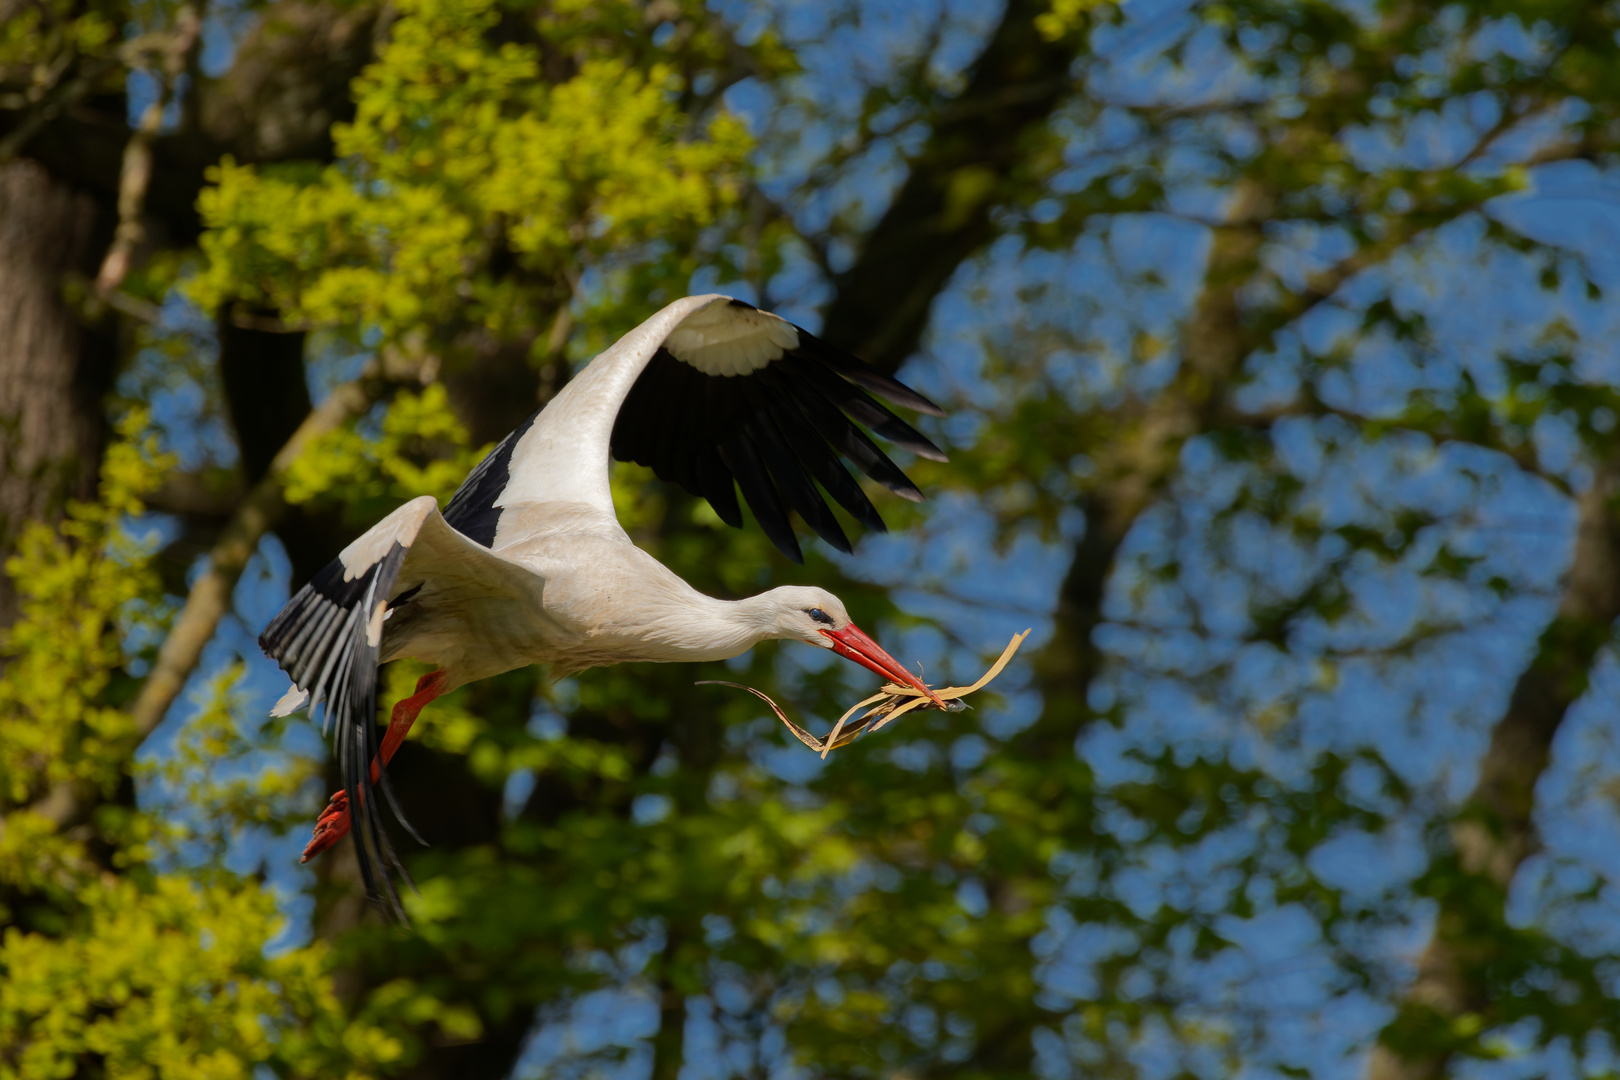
(527, 564)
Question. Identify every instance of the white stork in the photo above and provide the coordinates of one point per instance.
(528, 564)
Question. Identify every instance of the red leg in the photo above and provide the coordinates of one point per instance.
(333, 824)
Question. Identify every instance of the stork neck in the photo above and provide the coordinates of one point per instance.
(756, 616)
(693, 627)
(732, 627)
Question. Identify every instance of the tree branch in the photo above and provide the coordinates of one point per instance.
(941, 214)
(210, 596)
(136, 175)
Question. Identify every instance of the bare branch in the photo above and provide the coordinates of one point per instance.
(210, 596)
(136, 174)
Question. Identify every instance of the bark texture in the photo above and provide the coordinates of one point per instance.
(290, 82)
(54, 370)
(266, 393)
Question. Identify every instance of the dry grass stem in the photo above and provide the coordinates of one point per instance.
(888, 704)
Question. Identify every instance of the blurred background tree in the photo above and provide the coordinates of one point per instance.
(1281, 365)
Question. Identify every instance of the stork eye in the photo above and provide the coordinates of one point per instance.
(819, 615)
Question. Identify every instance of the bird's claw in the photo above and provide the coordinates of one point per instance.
(330, 827)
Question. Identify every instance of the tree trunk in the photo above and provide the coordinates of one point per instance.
(1141, 461)
(267, 397)
(941, 215)
(669, 1042)
(1495, 830)
(54, 370)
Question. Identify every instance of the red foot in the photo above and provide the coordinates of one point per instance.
(333, 824)
(330, 827)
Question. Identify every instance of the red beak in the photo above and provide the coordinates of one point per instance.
(852, 644)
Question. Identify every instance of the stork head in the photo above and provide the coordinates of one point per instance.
(817, 617)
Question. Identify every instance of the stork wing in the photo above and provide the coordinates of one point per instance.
(328, 639)
(712, 394)
(736, 394)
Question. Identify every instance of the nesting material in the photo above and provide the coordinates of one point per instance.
(888, 704)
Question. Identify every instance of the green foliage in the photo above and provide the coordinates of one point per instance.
(78, 587)
(48, 35)
(418, 448)
(168, 977)
(106, 957)
(454, 139)
(230, 772)
(1067, 17)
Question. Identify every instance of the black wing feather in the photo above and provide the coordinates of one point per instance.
(472, 510)
(656, 425)
(322, 641)
(716, 484)
(643, 411)
(687, 454)
(865, 376)
(868, 412)
(666, 445)
(853, 443)
(790, 477)
(743, 458)
(774, 434)
(826, 468)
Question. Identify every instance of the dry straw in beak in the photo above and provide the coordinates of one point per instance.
(887, 704)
